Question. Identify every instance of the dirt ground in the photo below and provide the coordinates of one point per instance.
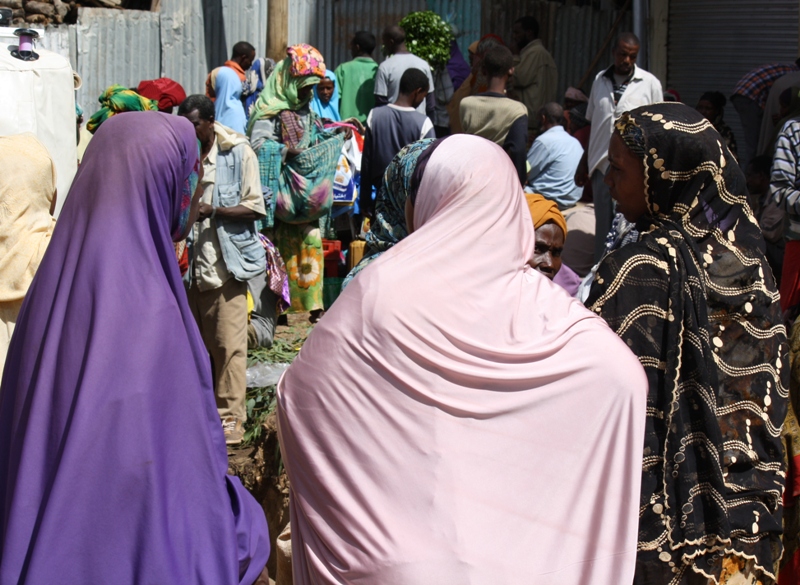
(259, 465)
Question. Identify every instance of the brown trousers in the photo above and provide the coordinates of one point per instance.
(221, 315)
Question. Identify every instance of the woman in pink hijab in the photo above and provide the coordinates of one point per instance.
(457, 417)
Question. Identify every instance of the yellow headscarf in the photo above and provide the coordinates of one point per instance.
(25, 221)
(544, 210)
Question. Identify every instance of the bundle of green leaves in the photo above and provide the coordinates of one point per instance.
(428, 36)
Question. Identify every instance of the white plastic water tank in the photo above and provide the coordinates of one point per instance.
(39, 97)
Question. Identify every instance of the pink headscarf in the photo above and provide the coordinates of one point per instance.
(458, 418)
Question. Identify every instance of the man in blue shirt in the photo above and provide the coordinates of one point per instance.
(553, 159)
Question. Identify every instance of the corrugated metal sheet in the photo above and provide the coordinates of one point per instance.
(464, 14)
(245, 20)
(60, 39)
(312, 21)
(198, 35)
(577, 36)
(713, 43)
(572, 34)
(330, 25)
(183, 47)
(115, 46)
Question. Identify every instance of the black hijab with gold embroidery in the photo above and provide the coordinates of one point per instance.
(695, 300)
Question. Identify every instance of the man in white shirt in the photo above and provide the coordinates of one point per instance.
(387, 80)
(618, 89)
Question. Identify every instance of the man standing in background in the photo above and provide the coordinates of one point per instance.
(535, 76)
(357, 78)
(387, 82)
(225, 252)
(620, 88)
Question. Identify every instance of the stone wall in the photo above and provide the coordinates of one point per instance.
(45, 12)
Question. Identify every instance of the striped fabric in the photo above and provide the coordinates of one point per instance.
(785, 179)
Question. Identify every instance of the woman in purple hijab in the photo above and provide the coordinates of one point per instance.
(112, 460)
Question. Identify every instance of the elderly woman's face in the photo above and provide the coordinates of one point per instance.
(625, 179)
(547, 252)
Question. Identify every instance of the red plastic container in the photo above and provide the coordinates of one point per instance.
(332, 250)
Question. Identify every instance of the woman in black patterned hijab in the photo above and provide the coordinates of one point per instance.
(695, 300)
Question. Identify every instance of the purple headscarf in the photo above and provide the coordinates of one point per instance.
(457, 67)
(112, 457)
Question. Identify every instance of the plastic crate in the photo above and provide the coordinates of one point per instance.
(332, 251)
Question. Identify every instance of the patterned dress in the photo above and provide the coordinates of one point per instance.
(694, 298)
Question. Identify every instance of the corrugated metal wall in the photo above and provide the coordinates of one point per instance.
(464, 14)
(312, 21)
(189, 37)
(329, 25)
(572, 34)
(577, 36)
(183, 47)
(198, 35)
(713, 43)
(115, 46)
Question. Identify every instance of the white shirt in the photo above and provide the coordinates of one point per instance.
(643, 89)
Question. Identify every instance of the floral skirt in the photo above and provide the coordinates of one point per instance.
(300, 246)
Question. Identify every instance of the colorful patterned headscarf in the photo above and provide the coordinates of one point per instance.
(303, 67)
(389, 226)
(117, 99)
(306, 60)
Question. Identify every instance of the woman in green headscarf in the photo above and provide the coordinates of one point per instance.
(297, 160)
(115, 100)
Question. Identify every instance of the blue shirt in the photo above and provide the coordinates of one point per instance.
(553, 159)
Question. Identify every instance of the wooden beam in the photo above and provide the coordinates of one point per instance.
(277, 29)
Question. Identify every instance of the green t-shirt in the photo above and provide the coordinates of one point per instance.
(356, 80)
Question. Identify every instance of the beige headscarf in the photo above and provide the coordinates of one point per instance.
(27, 187)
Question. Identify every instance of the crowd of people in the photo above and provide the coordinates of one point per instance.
(562, 357)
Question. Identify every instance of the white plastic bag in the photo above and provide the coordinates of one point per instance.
(263, 374)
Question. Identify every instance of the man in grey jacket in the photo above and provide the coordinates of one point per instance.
(224, 253)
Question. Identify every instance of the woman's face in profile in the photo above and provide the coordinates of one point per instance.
(305, 92)
(625, 180)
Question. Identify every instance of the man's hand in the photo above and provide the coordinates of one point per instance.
(204, 211)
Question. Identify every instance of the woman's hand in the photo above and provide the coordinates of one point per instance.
(293, 152)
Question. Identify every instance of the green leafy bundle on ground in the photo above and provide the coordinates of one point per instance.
(261, 402)
(429, 37)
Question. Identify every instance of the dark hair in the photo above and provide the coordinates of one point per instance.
(412, 80)
(203, 105)
(529, 24)
(627, 38)
(365, 41)
(716, 98)
(762, 164)
(242, 49)
(497, 61)
(553, 112)
(395, 33)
